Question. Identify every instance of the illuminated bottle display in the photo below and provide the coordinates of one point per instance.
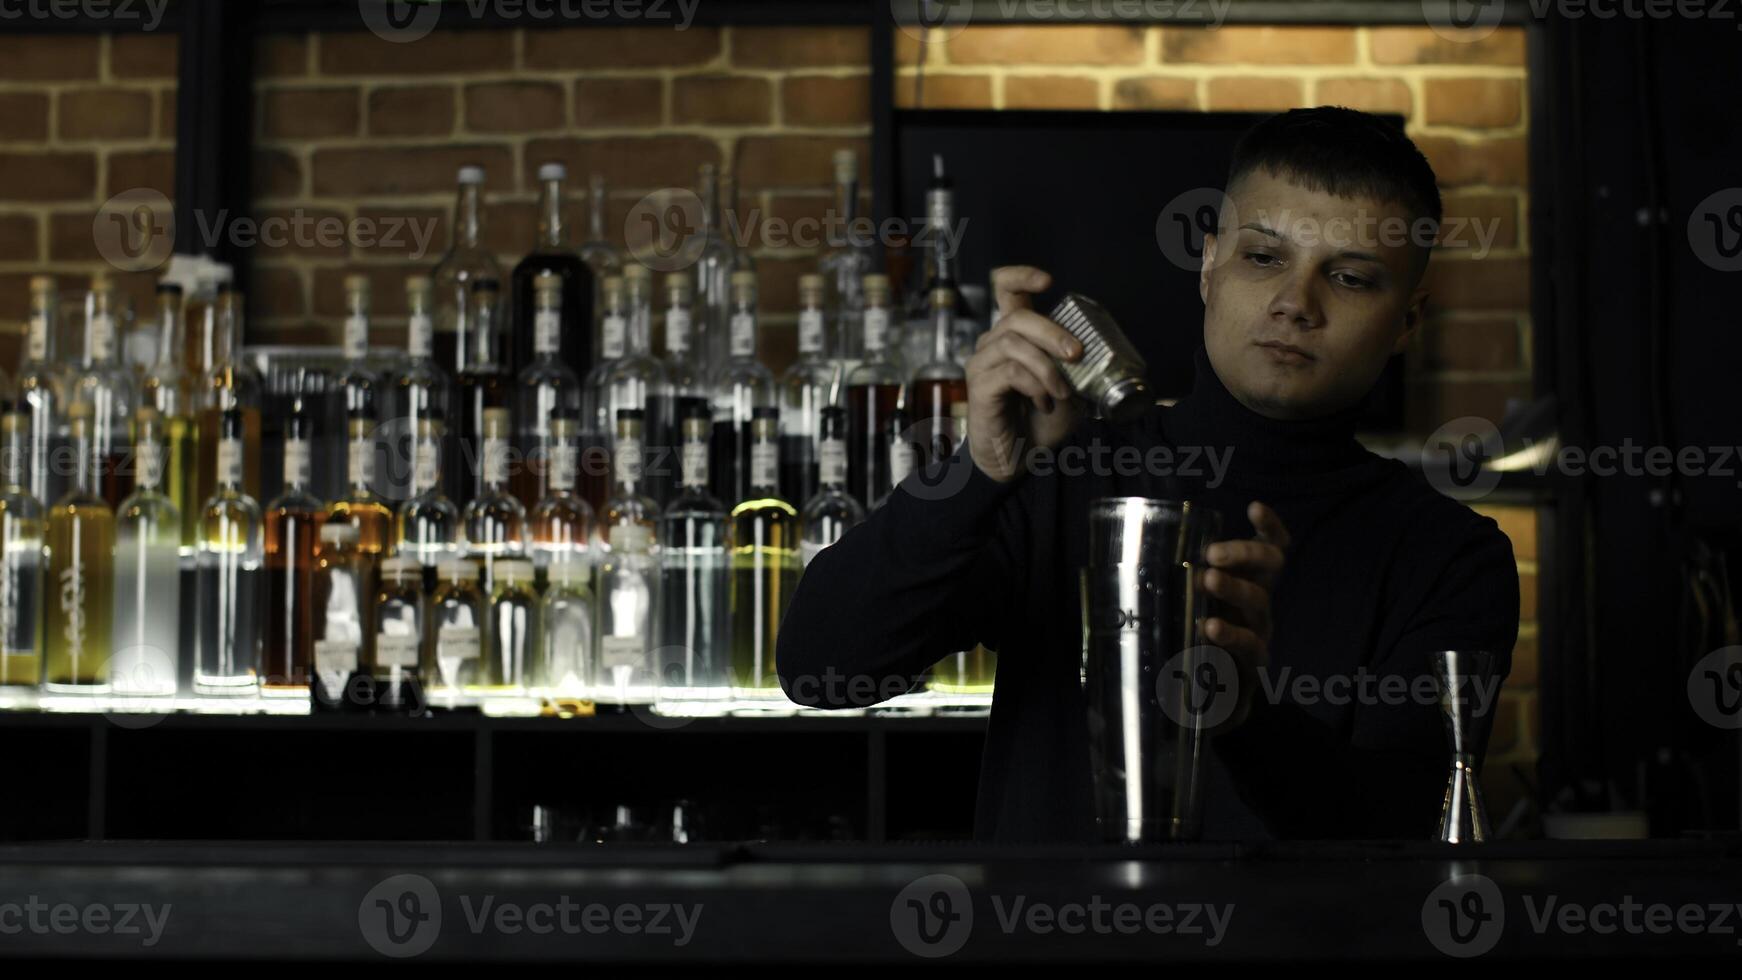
(565, 666)
(361, 507)
(291, 522)
(512, 634)
(420, 394)
(169, 391)
(554, 260)
(229, 385)
(454, 641)
(694, 634)
(81, 575)
(494, 522)
(742, 386)
(873, 392)
(147, 573)
(765, 568)
(21, 525)
(342, 602)
(227, 636)
(628, 589)
(628, 505)
(562, 523)
(426, 528)
(401, 619)
(546, 388)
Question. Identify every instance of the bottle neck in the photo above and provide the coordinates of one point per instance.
(943, 330)
(296, 464)
(229, 474)
(596, 212)
(169, 330)
(12, 456)
(639, 341)
(469, 217)
(39, 342)
(846, 210)
(678, 324)
(553, 232)
(743, 331)
(360, 464)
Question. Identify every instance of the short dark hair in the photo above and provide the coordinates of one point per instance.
(1342, 152)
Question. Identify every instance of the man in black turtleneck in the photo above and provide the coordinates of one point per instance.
(1340, 572)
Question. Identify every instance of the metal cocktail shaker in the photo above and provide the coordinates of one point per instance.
(1109, 375)
(1143, 606)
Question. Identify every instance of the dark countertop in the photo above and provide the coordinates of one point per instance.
(863, 903)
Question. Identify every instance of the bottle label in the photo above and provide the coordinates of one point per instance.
(832, 462)
(334, 662)
(495, 462)
(356, 337)
(297, 463)
(458, 643)
(102, 337)
(426, 469)
(622, 651)
(900, 461)
(395, 651)
(420, 335)
(628, 461)
(547, 332)
(37, 341)
(150, 466)
(230, 462)
(764, 464)
(615, 330)
(810, 332)
(564, 465)
(72, 607)
(677, 330)
(876, 329)
(360, 462)
(695, 464)
(743, 335)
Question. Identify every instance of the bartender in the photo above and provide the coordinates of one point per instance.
(1337, 565)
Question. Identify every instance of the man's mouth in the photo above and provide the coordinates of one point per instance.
(1286, 353)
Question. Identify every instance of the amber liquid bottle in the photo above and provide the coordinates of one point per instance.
(938, 387)
(291, 522)
(361, 507)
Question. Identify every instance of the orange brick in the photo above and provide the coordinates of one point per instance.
(619, 102)
(1474, 102)
(594, 48)
(409, 170)
(785, 48)
(1066, 44)
(144, 55)
(412, 111)
(281, 56)
(794, 161)
(1366, 94)
(1155, 93)
(34, 177)
(1483, 343)
(18, 239)
(640, 163)
(104, 113)
(310, 113)
(1425, 46)
(722, 100)
(1457, 162)
(1471, 217)
(1051, 92)
(1258, 45)
(1253, 94)
(826, 100)
(439, 53)
(23, 116)
(48, 57)
(515, 107)
(1487, 284)
(944, 92)
(150, 169)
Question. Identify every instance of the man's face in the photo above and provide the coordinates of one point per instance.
(1336, 279)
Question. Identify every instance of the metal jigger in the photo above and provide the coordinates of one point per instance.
(1463, 815)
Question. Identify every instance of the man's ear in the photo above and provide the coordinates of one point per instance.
(1209, 263)
(1412, 319)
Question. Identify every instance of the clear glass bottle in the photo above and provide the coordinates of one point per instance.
(229, 385)
(939, 385)
(562, 523)
(291, 521)
(638, 380)
(494, 521)
(168, 390)
(845, 263)
(483, 386)
(147, 574)
(358, 383)
(227, 637)
(688, 377)
(400, 617)
(719, 258)
(511, 642)
(596, 418)
(342, 601)
(742, 386)
(628, 504)
(466, 263)
(547, 388)
(833, 511)
(426, 528)
(553, 257)
(81, 574)
(812, 383)
(628, 584)
(694, 637)
(903, 453)
(42, 391)
(873, 393)
(419, 394)
(565, 665)
(107, 387)
(361, 507)
(601, 257)
(765, 569)
(21, 528)
(454, 643)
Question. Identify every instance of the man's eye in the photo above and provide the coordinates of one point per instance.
(1261, 259)
(1351, 280)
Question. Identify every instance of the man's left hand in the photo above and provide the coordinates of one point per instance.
(1242, 575)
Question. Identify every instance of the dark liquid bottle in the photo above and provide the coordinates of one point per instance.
(870, 408)
(554, 256)
(938, 387)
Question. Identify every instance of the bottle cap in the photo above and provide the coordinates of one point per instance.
(416, 284)
(745, 279)
(846, 166)
(458, 570)
(43, 284)
(339, 534)
(496, 423)
(486, 286)
(15, 423)
(811, 283)
(678, 283)
(357, 284)
(612, 286)
(636, 272)
(167, 288)
(471, 176)
(552, 171)
(400, 568)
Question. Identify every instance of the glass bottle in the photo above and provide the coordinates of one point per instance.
(628, 580)
(683, 368)
(42, 391)
(426, 528)
(547, 387)
(361, 507)
(168, 390)
(565, 668)
(494, 521)
(342, 601)
(512, 637)
(467, 263)
(765, 568)
(81, 573)
(812, 383)
(107, 387)
(562, 523)
(358, 383)
(873, 392)
(833, 511)
(939, 385)
(844, 265)
(400, 617)
(638, 381)
(147, 574)
(553, 257)
(228, 385)
(482, 387)
(21, 527)
(291, 521)
(227, 637)
(601, 257)
(716, 263)
(694, 636)
(628, 505)
(742, 386)
(596, 417)
(419, 394)
(453, 645)
(903, 453)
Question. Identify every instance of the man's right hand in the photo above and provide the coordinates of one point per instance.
(1017, 397)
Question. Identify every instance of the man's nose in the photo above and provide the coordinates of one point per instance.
(1296, 301)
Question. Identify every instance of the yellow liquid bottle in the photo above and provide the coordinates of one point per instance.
(81, 577)
(765, 568)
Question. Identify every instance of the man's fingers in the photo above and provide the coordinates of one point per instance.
(1012, 284)
(1237, 640)
(1011, 347)
(1268, 525)
(1250, 599)
(1250, 557)
(1045, 334)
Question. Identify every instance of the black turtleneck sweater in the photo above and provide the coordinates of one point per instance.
(1382, 571)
